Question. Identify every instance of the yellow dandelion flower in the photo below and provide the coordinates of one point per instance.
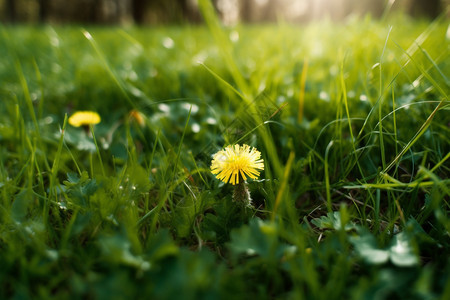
(81, 118)
(237, 161)
(137, 116)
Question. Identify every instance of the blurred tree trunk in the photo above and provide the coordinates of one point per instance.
(270, 11)
(246, 11)
(10, 11)
(190, 11)
(93, 11)
(124, 11)
(138, 8)
(184, 11)
(425, 8)
(377, 8)
(183, 6)
(44, 7)
(216, 8)
(114, 11)
(362, 7)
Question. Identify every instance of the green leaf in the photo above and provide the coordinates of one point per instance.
(117, 249)
(161, 245)
(401, 251)
(366, 246)
(20, 205)
(81, 222)
(79, 189)
(184, 216)
(217, 227)
(72, 178)
(257, 238)
(189, 275)
(79, 138)
(139, 178)
(187, 210)
(332, 221)
(414, 229)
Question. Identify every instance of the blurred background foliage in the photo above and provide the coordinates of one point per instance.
(182, 11)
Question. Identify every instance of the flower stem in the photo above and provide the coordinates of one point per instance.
(241, 194)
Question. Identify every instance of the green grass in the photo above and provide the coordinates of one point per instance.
(352, 120)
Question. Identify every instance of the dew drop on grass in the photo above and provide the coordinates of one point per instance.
(290, 93)
(290, 251)
(34, 97)
(168, 43)
(262, 87)
(132, 76)
(200, 57)
(281, 99)
(62, 206)
(135, 91)
(54, 41)
(324, 96)
(112, 219)
(164, 107)
(145, 266)
(52, 254)
(351, 94)
(29, 230)
(211, 121)
(187, 106)
(195, 128)
(250, 251)
(334, 70)
(48, 120)
(234, 36)
(87, 35)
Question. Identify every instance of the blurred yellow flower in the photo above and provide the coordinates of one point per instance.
(137, 116)
(81, 118)
(237, 161)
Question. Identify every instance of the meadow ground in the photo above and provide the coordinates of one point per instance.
(351, 119)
